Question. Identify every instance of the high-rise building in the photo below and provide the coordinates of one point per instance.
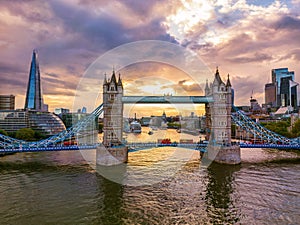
(288, 92)
(283, 90)
(7, 102)
(277, 75)
(35, 114)
(34, 98)
(270, 94)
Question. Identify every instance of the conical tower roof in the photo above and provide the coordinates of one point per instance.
(228, 83)
(113, 78)
(120, 81)
(105, 80)
(217, 77)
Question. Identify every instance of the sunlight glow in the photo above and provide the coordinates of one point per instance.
(191, 14)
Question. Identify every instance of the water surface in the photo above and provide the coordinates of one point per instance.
(62, 188)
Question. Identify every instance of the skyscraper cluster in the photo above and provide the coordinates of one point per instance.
(282, 92)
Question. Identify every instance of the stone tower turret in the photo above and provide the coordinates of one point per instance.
(113, 111)
(219, 122)
(113, 151)
(221, 111)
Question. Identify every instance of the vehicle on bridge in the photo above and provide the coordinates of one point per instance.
(166, 142)
(72, 142)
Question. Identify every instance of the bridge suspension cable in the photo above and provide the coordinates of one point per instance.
(243, 121)
(8, 142)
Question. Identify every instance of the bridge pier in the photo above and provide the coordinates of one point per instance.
(224, 154)
(218, 120)
(110, 156)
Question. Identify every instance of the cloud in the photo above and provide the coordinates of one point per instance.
(189, 86)
(105, 30)
(287, 22)
(70, 36)
(256, 57)
(244, 38)
(54, 75)
(244, 86)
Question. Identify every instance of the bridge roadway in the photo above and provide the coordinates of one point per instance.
(166, 99)
(48, 149)
(133, 147)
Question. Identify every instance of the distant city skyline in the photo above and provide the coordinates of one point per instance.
(246, 39)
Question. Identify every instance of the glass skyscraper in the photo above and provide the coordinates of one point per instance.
(277, 74)
(34, 99)
(34, 115)
(282, 90)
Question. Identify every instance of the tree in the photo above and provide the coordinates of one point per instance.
(26, 134)
(279, 127)
(38, 135)
(12, 134)
(296, 129)
(3, 132)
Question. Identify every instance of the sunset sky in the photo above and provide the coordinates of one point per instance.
(244, 38)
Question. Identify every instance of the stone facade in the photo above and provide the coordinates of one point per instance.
(113, 151)
(111, 156)
(224, 154)
(218, 122)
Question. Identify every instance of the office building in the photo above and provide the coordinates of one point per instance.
(282, 91)
(13, 120)
(288, 92)
(45, 123)
(270, 94)
(277, 75)
(7, 102)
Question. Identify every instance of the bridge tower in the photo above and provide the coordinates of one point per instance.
(218, 121)
(113, 151)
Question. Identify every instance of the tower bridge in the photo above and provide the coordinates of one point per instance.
(217, 100)
(113, 150)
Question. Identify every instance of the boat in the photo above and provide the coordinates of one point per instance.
(135, 127)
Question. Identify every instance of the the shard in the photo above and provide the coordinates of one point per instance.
(34, 99)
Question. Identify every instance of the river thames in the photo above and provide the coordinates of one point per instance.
(62, 188)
